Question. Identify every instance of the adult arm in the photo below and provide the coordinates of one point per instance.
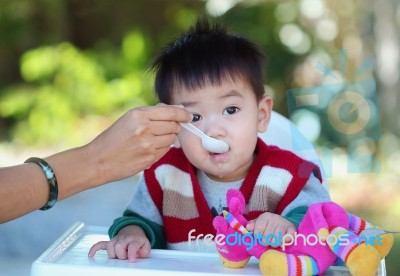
(133, 143)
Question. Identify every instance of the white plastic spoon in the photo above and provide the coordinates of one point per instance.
(209, 143)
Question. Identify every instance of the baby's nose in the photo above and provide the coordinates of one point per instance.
(215, 130)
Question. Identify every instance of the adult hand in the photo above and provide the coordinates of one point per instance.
(135, 141)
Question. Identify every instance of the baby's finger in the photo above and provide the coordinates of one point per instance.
(260, 227)
(290, 233)
(250, 225)
(291, 230)
(120, 250)
(102, 245)
(144, 251)
(133, 249)
(111, 250)
(272, 232)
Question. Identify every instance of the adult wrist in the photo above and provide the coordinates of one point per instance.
(95, 166)
(51, 181)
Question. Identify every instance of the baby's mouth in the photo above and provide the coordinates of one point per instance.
(219, 157)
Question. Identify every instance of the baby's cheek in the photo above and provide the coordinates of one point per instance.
(189, 142)
(194, 152)
(246, 140)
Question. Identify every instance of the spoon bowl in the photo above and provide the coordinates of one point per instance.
(209, 143)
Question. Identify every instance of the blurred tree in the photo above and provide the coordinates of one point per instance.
(116, 39)
(58, 86)
(326, 48)
(64, 85)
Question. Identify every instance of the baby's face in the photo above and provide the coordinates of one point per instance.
(229, 112)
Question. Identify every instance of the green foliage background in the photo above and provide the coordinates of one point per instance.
(69, 65)
(68, 81)
(64, 85)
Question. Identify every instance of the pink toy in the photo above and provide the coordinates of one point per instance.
(234, 223)
(326, 220)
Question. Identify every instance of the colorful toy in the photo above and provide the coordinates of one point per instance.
(338, 231)
(234, 223)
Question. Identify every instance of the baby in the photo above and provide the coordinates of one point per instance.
(219, 78)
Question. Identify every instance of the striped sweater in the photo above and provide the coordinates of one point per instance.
(274, 180)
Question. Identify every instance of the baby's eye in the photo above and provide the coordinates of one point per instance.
(231, 110)
(196, 117)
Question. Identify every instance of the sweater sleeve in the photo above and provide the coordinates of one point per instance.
(143, 212)
(313, 192)
(296, 215)
(154, 231)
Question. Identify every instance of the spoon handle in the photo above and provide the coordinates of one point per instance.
(194, 130)
(209, 143)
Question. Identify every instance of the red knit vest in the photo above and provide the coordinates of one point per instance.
(177, 229)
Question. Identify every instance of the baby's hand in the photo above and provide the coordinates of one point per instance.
(130, 243)
(269, 223)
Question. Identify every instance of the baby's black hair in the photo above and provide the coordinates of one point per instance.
(207, 54)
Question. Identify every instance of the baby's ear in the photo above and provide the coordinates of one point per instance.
(264, 113)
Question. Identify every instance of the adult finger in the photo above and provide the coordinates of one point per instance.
(163, 127)
(150, 144)
(163, 141)
(168, 113)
